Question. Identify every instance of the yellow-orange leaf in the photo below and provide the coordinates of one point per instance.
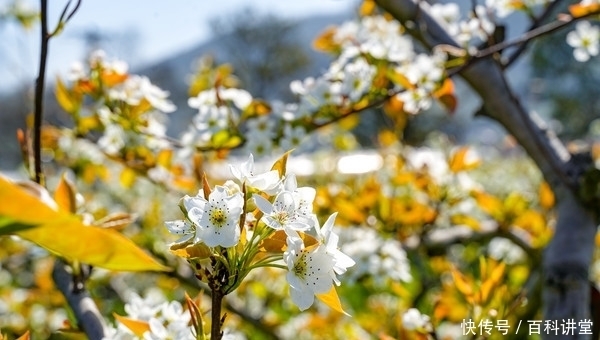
(24, 336)
(164, 158)
(463, 159)
(65, 195)
(256, 108)
(88, 123)
(492, 282)
(64, 234)
(399, 79)
(462, 283)
(445, 95)
(325, 42)
(367, 8)
(111, 78)
(546, 196)
(19, 203)
(281, 164)
(462, 219)
(579, 10)
(105, 248)
(127, 177)
(136, 326)
(275, 243)
(189, 251)
(488, 203)
(332, 300)
(65, 98)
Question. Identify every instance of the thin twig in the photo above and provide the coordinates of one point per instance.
(535, 24)
(83, 306)
(39, 95)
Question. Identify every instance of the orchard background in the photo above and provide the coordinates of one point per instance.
(262, 199)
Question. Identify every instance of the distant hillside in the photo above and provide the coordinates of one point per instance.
(172, 73)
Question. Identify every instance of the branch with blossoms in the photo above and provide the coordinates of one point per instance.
(259, 220)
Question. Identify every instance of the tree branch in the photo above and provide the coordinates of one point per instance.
(84, 308)
(487, 79)
(568, 256)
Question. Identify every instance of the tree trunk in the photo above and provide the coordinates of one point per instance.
(566, 262)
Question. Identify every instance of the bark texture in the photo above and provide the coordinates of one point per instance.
(566, 262)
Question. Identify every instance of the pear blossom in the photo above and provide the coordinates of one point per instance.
(259, 145)
(217, 219)
(292, 137)
(330, 240)
(424, 71)
(143, 309)
(284, 213)
(113, 139)
(268, 182)
(303, 196)
(377, 36)
(413, 320)
(357, 78)
(415, 100)
(585, 40)
(309, 271)
(171, 331)
(181, 227)
(215, 97)
(135, 88)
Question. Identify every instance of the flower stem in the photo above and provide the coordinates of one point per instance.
(217, 301)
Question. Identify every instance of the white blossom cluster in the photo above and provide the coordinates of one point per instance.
(166, 320)
(215, 222)
(218, 108)
(382, 259)
(481, 22)
(121, 127)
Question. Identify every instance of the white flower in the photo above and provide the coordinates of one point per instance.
(113, 139)
(258, 145)
(304, 196)
(136, 88)
(217, 219)
(412, 320)
(502, 249)
(283, 213)
(119, 333)
(309, 271)
(375, 257)
(357, 78)
(424, 71)
(215, 97)
(171, 331)
(330, 240)
(262, 126)
(415, 100)
(268, 182)
(181, 227)
(211, 119)
(584, 40)
(292, 137)
(447, 15)
(142, 309)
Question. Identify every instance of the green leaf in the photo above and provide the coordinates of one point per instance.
(8, 226)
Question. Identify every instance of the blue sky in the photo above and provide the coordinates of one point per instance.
(152, 29)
